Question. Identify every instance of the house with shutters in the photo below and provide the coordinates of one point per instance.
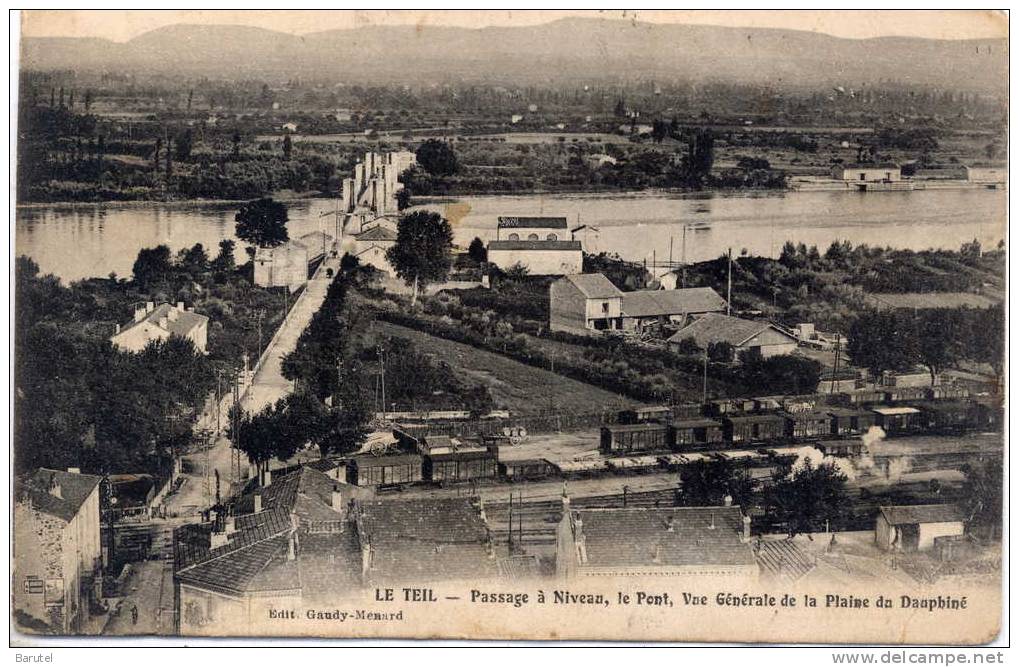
(57, 551)
(585, 302)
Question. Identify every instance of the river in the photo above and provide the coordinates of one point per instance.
(83, 240)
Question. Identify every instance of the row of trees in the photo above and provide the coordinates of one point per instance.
(895, 340)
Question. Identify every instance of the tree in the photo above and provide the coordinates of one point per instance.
(183, 144)
(808, 498)
(263, 223)
(194, 260)
(721, 352)
(476, 251)
(881, 341)
(619, 111)
(288, 147)
(659, 130)
(783, 373)
(236, 140)
(706, 483)
(437, 158)
(224, 262)
(152, 265)
(688, 346)
(403, 198)
(422, 253)
(983, 491)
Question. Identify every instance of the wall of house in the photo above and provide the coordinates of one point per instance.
(928, 531)
(771, 343)
(138, 336)
(532, 233)
(567, 307)
(374, 254)
(204, 612)
(540, 262)
(285, 266)
(200, 336)
(596, 308)
(987, 175)
(38, 554)
(869, 174)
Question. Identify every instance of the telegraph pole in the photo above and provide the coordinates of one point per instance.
(728, 289)
(705, 390)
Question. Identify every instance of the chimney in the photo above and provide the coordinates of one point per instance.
(54, 489)
(292, 547)
(76, 471)
(116, 329)
(231, 526)
(727, 500)
(218, 538)
(149, 306)
(267, 478)
(163, 323)
(711, 526)
(746, 528)
(258, 503)
(580, 539)
(366, 559)
(139, 314)
(180, 306)
(656, 557)
(337, 499)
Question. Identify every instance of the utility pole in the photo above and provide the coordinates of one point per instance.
(728, 289)
(835, 367)
(704, 398)
(684, 255)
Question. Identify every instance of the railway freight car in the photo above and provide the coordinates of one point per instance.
(696, 433)
(460, 464)
(644, 414)
(859, 397)
(847, 422)
(809, 425)
(526, 469)
(745, 429)
(944, 416)
(905, 394)
(898, 420)
(372, 470)
(625, 438)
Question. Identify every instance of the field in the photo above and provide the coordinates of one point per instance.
(517, 387)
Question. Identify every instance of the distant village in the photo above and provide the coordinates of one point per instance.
(451, 496)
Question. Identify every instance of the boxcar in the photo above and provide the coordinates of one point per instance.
(687, 433)
(640, 415)
(526, 469)
(860, 397)
(809, 425)
(461, 465)
(634, 438)
(849, 422)
(945, 415)
(687, 411)
(905, 394)
(371, 470)
(842, 447)
(740, 429)
(898, 420)
(943, 392)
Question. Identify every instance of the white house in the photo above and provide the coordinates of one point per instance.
(57, 553)
(867, 172)
(540, 258)
(153, 322)
(583, 303)
(986, 174)
(916, 527)
(370, 247)
(282, 266)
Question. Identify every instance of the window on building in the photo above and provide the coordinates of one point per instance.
(532, 237)
(605, 306)
(863, 176)
(514, 237)
(552, 237)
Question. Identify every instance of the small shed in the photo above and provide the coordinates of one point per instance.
(634, 438)
(371, 470)
(696, 432)
(915, 527)
(741, 429)
(899, 419)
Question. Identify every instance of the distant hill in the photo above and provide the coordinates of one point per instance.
(563, 51)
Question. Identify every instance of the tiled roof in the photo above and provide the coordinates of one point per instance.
(717, 328)
(534, 245)
(870, 165)
(314, 240)
(783, 559)
(650, 303)
(427, 539)
(372, 461)
(898, 515)
(379, 233)
(531, 222)
(74, 489)
(181, 325)
(594, 285)
(255, 556)
(696, 423)
(641, 537)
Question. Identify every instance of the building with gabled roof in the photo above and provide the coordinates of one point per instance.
(585, 302)
(153, 322)
(714, 328)
(644, 308)
(371, 246)
(57, 551)
(288, 541)
(644, 541)
(917, 527)
(425, 540)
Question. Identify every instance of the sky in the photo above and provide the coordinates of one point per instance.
(122, 25)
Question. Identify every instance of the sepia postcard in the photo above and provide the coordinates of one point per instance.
(675, 326)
